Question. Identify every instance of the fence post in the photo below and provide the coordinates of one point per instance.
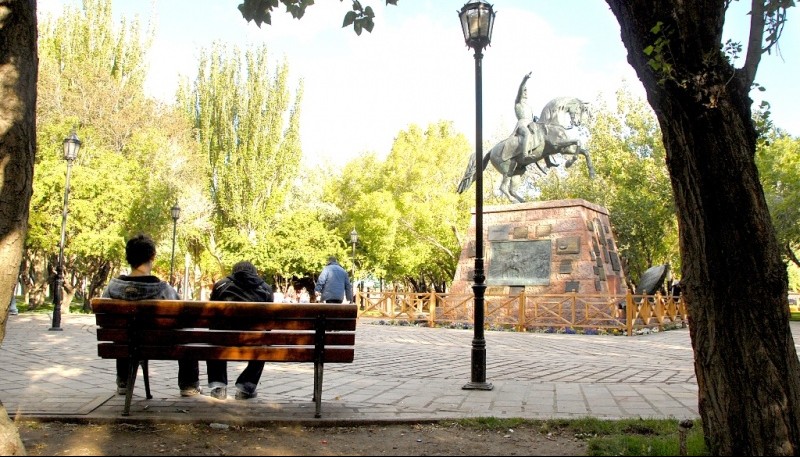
(521, 310)
(660, 311)
(432, 309)
(629, 313)
(683, 310)
(574, 304)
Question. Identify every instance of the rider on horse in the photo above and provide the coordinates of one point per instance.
(523, 112)
(523, 127)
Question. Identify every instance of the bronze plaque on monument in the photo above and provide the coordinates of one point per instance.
(569, 245)
(499, 232)
(519, 263)
(543, 230)
(614, 261)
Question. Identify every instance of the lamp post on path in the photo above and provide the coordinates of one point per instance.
(477, 20)
(354, 240)
(175, 212)
(71, 147)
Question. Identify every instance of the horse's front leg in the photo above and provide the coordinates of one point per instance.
(512, 188)
(585, 153)
(504, 188)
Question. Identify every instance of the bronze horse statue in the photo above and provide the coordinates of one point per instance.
(547, 142)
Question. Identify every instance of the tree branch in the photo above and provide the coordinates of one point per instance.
(754, 49)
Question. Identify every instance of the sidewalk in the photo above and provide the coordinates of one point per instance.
(400, 374)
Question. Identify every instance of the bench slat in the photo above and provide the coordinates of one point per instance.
(223, 337)
(333, 354)
(107, 320)
(218, 309)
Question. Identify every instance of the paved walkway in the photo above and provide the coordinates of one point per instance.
(400, 374)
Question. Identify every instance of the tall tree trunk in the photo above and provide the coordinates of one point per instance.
(734, 281)
(18, 75)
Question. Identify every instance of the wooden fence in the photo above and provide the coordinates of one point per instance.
(572, 311)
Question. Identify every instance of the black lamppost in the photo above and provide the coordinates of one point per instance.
(354, 240)
(175, 212)
(71, 147)
(477, 20)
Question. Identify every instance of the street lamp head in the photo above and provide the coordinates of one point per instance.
(175, 211)
(354, 236)
(71, 146)
(477, 21)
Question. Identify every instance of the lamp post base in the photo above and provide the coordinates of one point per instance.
(477, 386)
(57, 296)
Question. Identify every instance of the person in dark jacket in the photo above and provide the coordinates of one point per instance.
(333, 284)
(140, 284)
(243, 284)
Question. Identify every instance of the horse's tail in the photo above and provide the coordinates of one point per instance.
(469, 173)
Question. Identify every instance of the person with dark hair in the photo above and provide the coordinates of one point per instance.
(141, 284)
(243, 284)
(333, 284)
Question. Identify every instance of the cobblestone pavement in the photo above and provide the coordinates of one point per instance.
(400, 374)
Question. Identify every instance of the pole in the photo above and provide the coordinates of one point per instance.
(354, 261)
(478, 376)
(58, 294)
(186, 295)
(172, 259)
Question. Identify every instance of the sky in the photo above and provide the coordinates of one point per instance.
(414, 68)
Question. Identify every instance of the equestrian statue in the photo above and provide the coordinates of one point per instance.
(541, 141)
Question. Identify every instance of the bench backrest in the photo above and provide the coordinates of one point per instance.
(213, 330)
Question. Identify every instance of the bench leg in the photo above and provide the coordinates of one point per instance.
(134, 367)
(146, 373)
(318, 389)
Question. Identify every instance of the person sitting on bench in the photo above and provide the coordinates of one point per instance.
(141, 284)
(243, 284)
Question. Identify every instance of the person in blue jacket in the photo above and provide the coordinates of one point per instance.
(333, 285)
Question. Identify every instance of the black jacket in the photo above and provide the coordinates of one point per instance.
(242, 286)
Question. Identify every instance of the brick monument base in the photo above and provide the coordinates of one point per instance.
(549, 247)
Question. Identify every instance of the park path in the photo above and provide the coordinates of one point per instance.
(400, 374)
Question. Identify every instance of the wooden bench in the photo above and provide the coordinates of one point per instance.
(234, 331)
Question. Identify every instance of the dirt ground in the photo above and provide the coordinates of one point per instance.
(59, 438)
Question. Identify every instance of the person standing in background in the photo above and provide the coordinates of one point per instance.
(333, 284)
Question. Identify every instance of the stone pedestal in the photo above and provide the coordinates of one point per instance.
(550, 247)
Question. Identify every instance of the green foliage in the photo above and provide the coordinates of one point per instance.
(248, 130)
(732, 50)
(778, 161)
(298, 245)
(659, 52)
(794, 275)
(405, 208)
(632, 183)
(260, 11)
(651, 437)
(123, 181)
(94, 71)
(136, 157)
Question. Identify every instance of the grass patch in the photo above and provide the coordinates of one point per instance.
(645, 437)
(47, 307)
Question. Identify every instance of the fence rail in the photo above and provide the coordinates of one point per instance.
(625, 313)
